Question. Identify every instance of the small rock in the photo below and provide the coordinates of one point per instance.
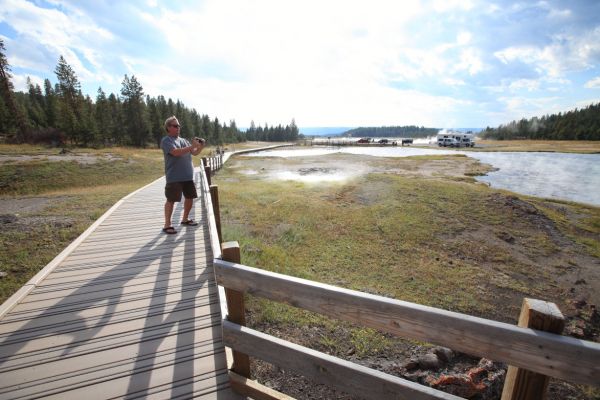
(3, 274)
(580, 282)
(429, 361)
(507, 237)
(443, 353)
(580, 303)
(410, 364)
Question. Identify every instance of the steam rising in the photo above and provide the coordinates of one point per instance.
(574, 177)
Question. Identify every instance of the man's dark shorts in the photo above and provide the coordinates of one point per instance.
(174, 190)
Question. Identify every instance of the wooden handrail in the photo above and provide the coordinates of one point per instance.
(347, 376)
(549, 354)
(210, 213)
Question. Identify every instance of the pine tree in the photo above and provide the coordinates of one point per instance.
(49, 104)
(135, 111)
(115, 125)
(6, 91)
(89, 128)
(156, 126)
(69, 105)
(35, 105)
(102, 117)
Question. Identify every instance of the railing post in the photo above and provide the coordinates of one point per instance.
(214, 195)
(206, 169)
(521, 384)
(236, 308)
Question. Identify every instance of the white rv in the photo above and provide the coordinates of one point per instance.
(455, 139)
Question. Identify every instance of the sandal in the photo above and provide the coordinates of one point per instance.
(170, 230)
(189, 222)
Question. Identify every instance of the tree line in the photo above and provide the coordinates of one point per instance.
(277, 133)
(583, 124)
(392, 131)
(61, 114)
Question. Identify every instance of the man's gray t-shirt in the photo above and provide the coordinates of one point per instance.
(177, 169)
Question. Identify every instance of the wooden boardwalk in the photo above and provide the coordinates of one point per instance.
(130, 313)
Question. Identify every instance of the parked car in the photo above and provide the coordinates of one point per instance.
(383, 141)
(364, 140)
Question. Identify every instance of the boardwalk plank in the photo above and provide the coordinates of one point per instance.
(130, 312)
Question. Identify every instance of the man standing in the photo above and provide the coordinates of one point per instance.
(179, 171)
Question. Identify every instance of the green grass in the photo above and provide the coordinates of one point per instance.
(77, 194)
(43, 176)
(326, 235)
(432, 241)
(583, 229)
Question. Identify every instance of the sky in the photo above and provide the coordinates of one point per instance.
(325, 63)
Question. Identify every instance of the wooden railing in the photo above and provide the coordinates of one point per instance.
(534, 355)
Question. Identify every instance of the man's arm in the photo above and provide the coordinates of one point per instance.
(199, 145)
(181, 151)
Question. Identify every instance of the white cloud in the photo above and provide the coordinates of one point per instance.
(51, 31)
(566, 53)
(323, 63)
(470, 61)
(442, 6)
(20, 81)
(593, 83)
(463, 38)
(527, 84)
(453, 82)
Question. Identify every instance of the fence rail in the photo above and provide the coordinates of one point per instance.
(533, 354)
(546, 353)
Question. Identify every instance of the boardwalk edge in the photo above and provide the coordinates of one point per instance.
(37, 278)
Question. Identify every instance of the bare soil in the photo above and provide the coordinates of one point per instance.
(82, 158)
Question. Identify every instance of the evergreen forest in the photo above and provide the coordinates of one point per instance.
(583, 124)
(61, 114)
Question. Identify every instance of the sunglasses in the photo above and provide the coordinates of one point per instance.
(176, 126)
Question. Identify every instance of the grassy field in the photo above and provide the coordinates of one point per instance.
(404, 236)
(563, 146)
(46, 204)
(403, 229)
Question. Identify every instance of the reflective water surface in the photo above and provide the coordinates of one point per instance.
(565, 176)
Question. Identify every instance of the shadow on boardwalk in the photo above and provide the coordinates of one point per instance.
(129, 313)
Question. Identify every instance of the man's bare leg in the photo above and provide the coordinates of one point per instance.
(169, 205)
(187, 207)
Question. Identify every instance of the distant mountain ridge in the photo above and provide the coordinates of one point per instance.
(323, 131)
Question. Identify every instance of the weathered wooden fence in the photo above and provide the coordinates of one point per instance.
(534, 349)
